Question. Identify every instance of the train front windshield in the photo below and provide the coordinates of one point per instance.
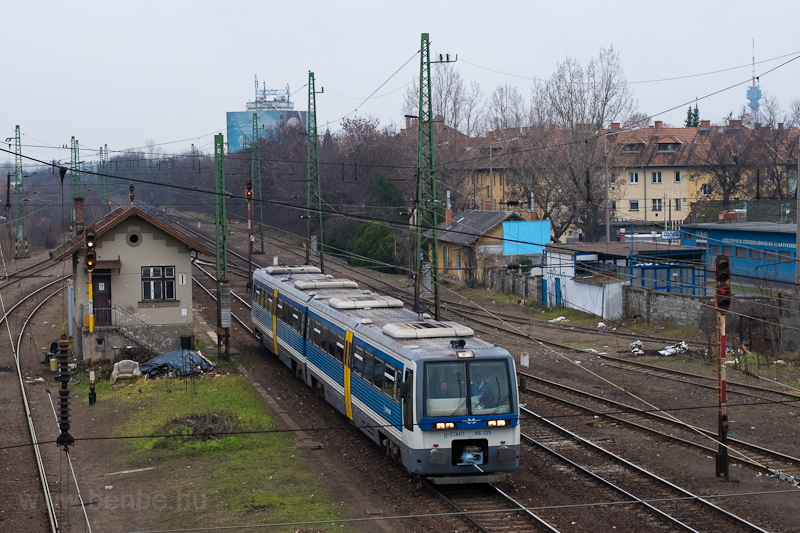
(476, 387)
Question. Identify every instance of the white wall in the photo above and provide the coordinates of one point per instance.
(602, 299)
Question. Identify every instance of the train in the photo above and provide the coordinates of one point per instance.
(440, 401)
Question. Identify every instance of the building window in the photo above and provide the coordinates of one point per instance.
(446, 256)
(633, 177)
(677, 204)
(727, 250)
(632, 147)
(705, 189)
(613, 205)
(656, 177)
(666, 147)
(755, 254)
(714, 249)
(769, 256)
(656, 204)
(158, 283)
(741, 253)
(785, 256)
(677, 176)
(634, 205)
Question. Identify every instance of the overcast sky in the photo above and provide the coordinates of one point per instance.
(120, 73)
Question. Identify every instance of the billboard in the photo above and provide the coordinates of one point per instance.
(240, 124)
(525, 238)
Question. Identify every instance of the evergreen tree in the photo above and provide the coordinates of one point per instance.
(689, 118)
(696, 116)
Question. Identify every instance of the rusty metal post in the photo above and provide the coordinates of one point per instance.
(723, 462)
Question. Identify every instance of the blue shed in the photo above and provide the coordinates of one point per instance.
(756, 249)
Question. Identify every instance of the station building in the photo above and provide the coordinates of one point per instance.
(141, 283)
(765, 250)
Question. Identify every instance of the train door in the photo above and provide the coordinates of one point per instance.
(544, 292)
(273, 310)
(558, 292)
(348, 350)
(408, 401)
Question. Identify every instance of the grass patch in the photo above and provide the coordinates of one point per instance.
(233, 479)
(482, 295)
(574, 316)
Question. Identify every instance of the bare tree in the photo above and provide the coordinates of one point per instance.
(507, 109)
(732, 157)
(458, 103)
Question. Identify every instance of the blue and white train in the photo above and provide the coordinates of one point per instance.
(439, 400)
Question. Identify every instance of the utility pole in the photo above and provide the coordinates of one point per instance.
(249, 196)
(797, 216)
(223, 287)
(427, 252)
(103, 170)
(74, 176)
(255, 182)
(723, 298)
(20, 220)
(313, 188)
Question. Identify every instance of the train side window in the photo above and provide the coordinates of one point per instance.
(358, 360)
(316, 333)
(323, 337)
(369, 366)
(338, 352)
(279, 312)
(380, 368)
(408, 402)
(389, 381)
(269, 303)
(296, 314)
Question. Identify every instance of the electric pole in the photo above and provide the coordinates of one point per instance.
(74, 176)
(723, 298)
(313, 188)
(221, 219)
(249, 196)
(103, 170)
(20, 221)
(255, 183)
(426, 261)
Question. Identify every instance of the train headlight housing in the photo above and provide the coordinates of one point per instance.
(445, 425)
(439, 425)
(495, 423)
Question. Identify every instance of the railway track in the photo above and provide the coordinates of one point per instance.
(669, 429)
(651, 501)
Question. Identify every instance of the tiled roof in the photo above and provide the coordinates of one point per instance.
(470, 226)
(118, 215)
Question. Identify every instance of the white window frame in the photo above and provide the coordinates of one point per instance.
(633, 178)
(677, 204)
(656, 177)
(158, 283)
(657, 204)
(677, 176)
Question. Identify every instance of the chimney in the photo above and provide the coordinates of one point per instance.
(658, 127)
(448, 214)
(705, 124)
(533, 215)
(487, 205)
(780, 125)
(79, 216)
(615, 125)
(735, 124)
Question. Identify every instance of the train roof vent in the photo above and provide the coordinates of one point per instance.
(325, 283)
(292, 269)
(426, 330)
(372, 301)
(366, 321)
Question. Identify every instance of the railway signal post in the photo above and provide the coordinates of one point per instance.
(91, 261)
(723, 298)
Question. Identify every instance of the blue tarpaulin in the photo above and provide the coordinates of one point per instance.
(182, 362)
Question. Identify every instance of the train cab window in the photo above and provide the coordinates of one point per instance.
(257, 296)
(377, 378)
(358, 360)
(445, 388)
(338, 348)
(489, 388)
(369, 366)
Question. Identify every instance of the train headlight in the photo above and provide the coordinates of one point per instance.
(450, 425)
(445, 425)
(501, 422)
(439, 425)
(491, 423)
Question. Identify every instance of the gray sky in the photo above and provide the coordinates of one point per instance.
(121, 73)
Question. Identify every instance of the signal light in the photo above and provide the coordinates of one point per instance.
(723, 297)
(89, 239)
(91, 260)
(130, 188)
(249, 190)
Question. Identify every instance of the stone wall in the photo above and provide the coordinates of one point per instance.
(525, 286)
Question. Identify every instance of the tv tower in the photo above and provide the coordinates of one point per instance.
(754, 92)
